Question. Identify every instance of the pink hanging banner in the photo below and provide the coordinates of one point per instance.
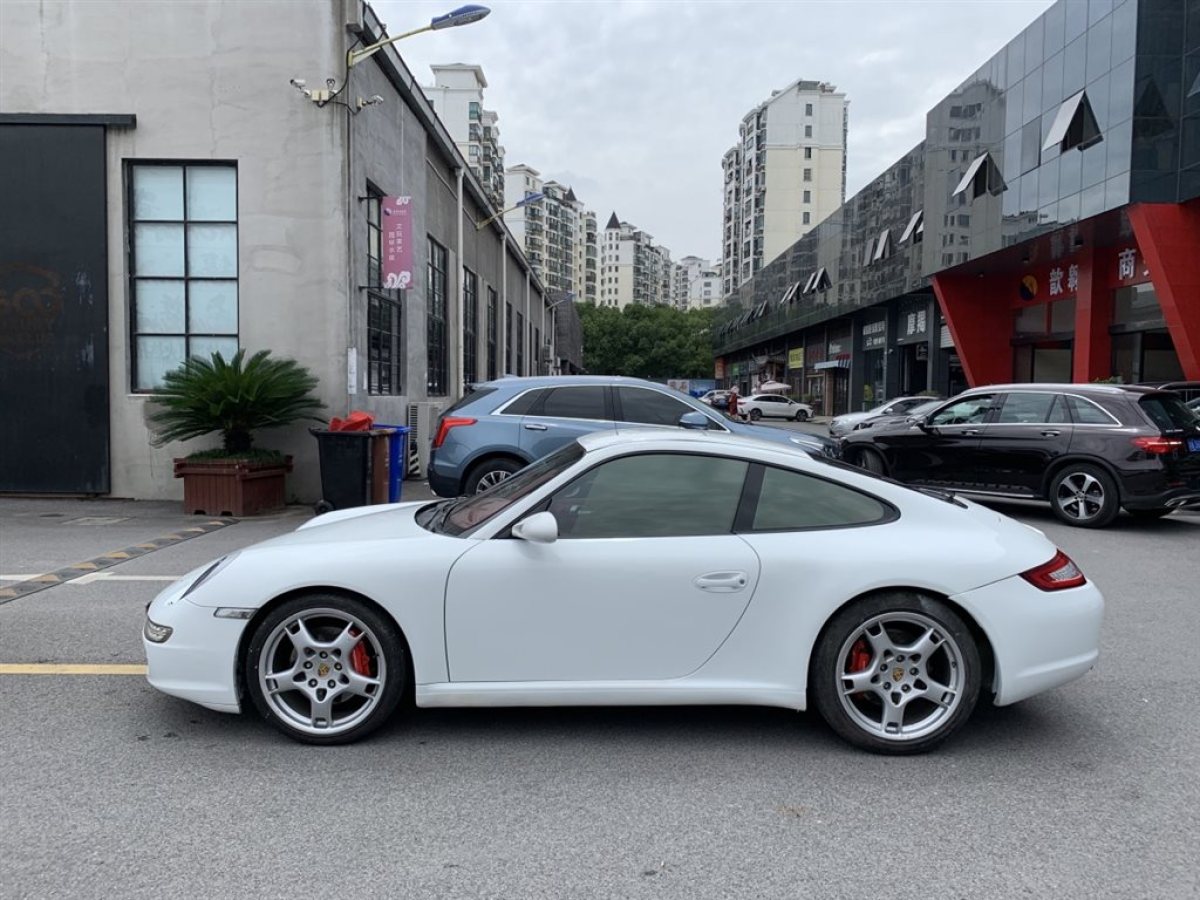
(397, 242)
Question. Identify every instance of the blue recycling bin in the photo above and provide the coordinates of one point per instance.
(397, 458)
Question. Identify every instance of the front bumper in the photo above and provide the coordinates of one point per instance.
(1040, 639)
(198, 662)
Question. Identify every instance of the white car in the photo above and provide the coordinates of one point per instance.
(774, 406)
(600, 575)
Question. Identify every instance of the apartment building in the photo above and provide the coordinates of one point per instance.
(786, 173)
(696, 283)
(457, 97)
(633, 268)
(556, 231)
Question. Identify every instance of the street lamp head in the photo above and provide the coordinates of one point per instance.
(464, 15)
(530, 198)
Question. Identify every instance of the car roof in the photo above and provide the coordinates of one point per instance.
(1064, 387)
(530, 381)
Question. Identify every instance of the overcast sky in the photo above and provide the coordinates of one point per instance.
(634, 103)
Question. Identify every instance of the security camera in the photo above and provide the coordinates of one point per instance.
(376, 99)
(330, 82)
(298, 83)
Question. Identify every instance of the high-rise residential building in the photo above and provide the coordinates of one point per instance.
(696, 284)
(556, 232)
(633, 269)
(786, 173)
(457, 97)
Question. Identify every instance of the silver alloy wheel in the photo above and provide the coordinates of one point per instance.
(491, 479)
(309, 671)
(1080, 496)
(911, 685)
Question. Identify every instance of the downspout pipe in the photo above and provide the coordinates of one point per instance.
(459, 386)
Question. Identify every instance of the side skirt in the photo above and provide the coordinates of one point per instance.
(683, 692)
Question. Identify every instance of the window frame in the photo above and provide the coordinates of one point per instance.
(437, 358)
(470, 335)
(493, 332)
(1058, 400)
(381, 303)
(132, 278)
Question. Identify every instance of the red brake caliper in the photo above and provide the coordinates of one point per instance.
(361, 662)
(859, 659)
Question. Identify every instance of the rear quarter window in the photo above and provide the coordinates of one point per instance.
(791, 501)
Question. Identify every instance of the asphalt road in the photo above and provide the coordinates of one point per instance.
(108, 788)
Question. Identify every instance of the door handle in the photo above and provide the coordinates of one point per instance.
(721, 582)
(534, 426)
(1051, 433)
(970, 431)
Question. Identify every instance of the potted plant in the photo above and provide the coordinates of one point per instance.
(236, 398)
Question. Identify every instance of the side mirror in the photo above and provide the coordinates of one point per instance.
(540, 528)
(695, 420)
(921, 422)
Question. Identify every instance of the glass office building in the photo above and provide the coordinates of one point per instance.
(1046, 229)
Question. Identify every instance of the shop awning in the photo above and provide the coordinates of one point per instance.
(834, 364)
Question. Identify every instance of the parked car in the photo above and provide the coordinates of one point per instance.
(844, 424)
(1195, 405)
(1087, 449)
(601, 575)
(508, 423)
(1188, 390)
(920, 410)
(774, 406)
(716, 399)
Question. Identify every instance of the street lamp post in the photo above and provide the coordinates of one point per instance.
(464, 15)
(529, 198)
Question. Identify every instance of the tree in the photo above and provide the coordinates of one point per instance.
(647, 341)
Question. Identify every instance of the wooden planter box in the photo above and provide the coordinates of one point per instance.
(232, 487)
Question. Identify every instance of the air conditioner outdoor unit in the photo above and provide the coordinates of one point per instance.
(547, 353)
(422, 423)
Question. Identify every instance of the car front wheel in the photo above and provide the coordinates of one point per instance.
(801, 416)
(1085, 496)
(872, 461)
(896, 673)
(325, 669)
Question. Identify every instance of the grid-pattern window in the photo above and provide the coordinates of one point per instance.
(508, 340)
(493, 312)
(384, 345)
(520, 329)
(808, 174)
(435, 317)
(470, 325)
(808, 131)
(808, 109)
(183, 264)
(374, 237)
(808, 152)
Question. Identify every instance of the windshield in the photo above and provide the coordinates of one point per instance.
(454, 517)
(925, 409)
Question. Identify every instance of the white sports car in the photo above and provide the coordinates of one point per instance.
(601, 575)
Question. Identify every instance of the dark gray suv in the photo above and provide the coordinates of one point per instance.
(504, 425)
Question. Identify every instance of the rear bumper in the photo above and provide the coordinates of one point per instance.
(1041, 639)
(443, 482)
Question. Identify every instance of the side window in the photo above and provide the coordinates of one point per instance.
(792, 500)
(968, 411)
(652, 495)
(650, 407)
(905, 405)
(523, 404)
(1030, 408)
(574, 403)
(1085, 412)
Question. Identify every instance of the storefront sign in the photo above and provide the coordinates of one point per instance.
(796, 358)
(1056, 280)
(1126, 263)
(398, 245)
(916, 324)
(874, 335)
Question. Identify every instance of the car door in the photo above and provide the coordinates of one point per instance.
(562, 414)
(941, 450)
(645, 581)
(1029, 430)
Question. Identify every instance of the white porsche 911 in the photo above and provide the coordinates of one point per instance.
(656, 567)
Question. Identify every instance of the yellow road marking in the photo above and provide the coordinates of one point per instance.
(71, 669)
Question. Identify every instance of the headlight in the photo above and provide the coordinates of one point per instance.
(155, 633)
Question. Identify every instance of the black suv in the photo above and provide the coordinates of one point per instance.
(1088, 449)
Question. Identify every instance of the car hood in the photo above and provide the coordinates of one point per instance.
(382, 521)
(783, 436)
(851, 418)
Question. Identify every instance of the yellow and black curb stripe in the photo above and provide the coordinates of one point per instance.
(108, 560)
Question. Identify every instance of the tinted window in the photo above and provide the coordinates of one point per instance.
(523, 404)
(968, 411)
(574, 403)
(790, 500)
(1086, 412)
(1032, 409)
(910, 404)
(650, 407)
(477, 394)
(1168, 412)
(651, 495)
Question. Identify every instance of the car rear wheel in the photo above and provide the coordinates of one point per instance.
(872, 461)
(801, 416)
(755, 415)
(896, 673)
(490, 473)
(325, 669)
(1085, 496)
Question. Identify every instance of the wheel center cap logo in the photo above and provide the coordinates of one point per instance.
(322, 670)
(897, 674)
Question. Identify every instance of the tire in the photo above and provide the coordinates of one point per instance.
(871, 461)
(905, 704)
(491, 472)
(801, 416)
(1085, 496)
(304, 673)
(755, 415)
(1147, 515)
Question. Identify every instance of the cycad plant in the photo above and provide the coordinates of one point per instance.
(235, 397)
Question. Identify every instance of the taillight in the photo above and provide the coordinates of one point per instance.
(444, 427)
(1157, 445)
(1057, 575)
